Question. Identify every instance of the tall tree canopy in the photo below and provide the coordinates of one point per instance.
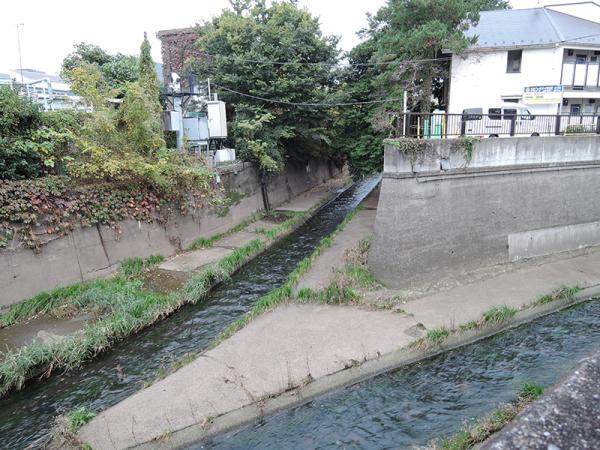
(279, 53)
(117, 69)
(411, 35)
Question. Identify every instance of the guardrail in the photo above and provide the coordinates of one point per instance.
(441, 126)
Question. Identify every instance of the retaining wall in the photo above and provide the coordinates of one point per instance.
(97, 251)
(442, 216)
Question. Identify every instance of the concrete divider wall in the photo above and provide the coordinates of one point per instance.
(443, 216)
(97, 251)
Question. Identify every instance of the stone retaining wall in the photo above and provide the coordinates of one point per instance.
(97, 251)
(442, 215)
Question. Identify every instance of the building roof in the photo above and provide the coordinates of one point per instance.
(532, 27)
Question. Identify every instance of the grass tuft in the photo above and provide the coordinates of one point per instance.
(481, 430)
(562, 293)
(432, 338)
(132, 267)
(78, 418)
(499, 314)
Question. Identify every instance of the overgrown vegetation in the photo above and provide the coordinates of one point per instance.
(482, 429)
(120, 305)
(415, 149)
(106, 165)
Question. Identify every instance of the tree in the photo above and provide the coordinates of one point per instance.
(355, 135)
(117, 69)
(243, 51)
(411, 35)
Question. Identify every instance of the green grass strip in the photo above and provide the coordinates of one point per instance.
(478, 432)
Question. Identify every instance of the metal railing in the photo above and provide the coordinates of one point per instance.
(441, 126)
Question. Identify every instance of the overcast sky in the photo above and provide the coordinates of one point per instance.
(50, 28)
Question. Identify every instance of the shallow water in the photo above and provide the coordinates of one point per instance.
(431, 399)
(27, 416)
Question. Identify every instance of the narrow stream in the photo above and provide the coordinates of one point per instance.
(409, 407)
(27, 416)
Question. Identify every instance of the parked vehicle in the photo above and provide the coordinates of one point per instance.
(497, 120)
(500, 120)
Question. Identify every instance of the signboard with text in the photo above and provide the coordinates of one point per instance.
(543, 94)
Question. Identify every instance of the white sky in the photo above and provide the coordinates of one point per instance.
(52, 27)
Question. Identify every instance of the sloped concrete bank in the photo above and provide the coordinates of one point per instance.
(565, 417)
(97, 251)
(294, 353)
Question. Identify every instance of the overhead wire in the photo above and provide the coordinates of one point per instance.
(305, 104)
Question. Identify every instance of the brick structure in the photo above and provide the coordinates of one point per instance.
(178, 46)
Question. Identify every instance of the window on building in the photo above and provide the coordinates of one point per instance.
(513, 61)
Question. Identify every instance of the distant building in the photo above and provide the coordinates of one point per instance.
(50, 91)
(546, 58)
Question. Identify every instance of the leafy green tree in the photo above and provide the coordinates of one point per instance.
(355, 135)
(243, 49)
(117, 69)
(411, 35)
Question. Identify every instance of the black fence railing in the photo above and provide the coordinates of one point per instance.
(440, 126)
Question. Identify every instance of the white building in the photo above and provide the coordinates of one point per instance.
(547, 58)
(50, 91)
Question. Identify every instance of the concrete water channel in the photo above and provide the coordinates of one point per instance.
(412, 406)
(27, 416)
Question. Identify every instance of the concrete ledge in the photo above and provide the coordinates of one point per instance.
(546, 241)
(347, 377)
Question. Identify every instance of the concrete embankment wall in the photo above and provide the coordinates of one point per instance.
(442, 216)
(97, 251)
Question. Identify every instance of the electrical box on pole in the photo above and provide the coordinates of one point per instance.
(217, 120)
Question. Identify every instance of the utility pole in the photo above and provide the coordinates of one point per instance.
(20, 27)
(208, 84)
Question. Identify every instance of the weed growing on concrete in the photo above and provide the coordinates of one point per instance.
(432, 338)
(331, 295)
(469, 326)
(67, 426)
(41, 303)
(78, 418)
(478, 432)
(133, 267)
(562, 293)
(498, 314)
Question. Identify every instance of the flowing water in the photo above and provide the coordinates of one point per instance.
(27, 416)
(413, 405)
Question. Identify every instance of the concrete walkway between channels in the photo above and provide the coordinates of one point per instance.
(297, 351)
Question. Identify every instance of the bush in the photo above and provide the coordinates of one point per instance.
(580, 128)
(18, 115)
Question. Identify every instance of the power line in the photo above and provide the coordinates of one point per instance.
(322, 63)
(322, 104)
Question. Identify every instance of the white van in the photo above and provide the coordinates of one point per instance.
(496, 121)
